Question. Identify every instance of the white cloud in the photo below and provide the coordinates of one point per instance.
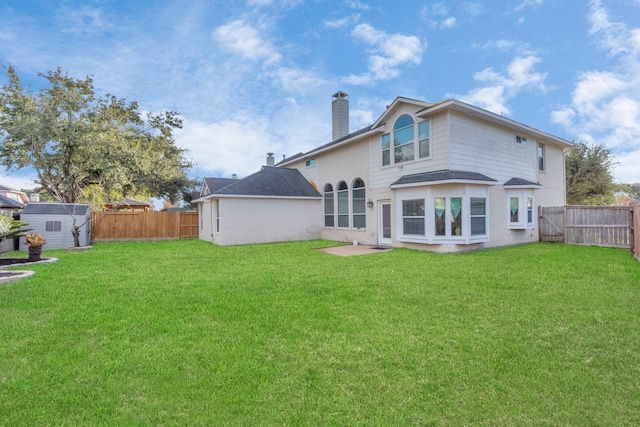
(243, 38)
(342, 22)
(440, 12)
(528, 3)
(500, 88)
(354, 4)
(388, 53)
(604, 107)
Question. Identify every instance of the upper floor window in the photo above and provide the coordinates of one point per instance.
(423, 139)
(386, 149)
(343, 205)
(329, 217)
(521, 140)
(359, 204)
(311, 162)
(541, 165)
(404, 136)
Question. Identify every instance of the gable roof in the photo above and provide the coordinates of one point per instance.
(271, 182)
(56, 209)
(6, 202)
(443, 177)
(214, 184)
(426, 109)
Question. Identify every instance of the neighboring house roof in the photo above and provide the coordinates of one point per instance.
(443, 177)
(20, 194)
(55, 209)
(520, 182)
(8, 203)
(271, 182)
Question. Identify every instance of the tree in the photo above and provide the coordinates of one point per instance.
(589, 178)
(86, 148)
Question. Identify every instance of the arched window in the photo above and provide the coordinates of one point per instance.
(329, 217)
(343, 205)
(403, 138)
(359, 204)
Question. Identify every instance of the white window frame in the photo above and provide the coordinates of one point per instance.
(521, 140)
(340, 214)
(332, 214)
(310, 162)
(522, 196)
(449, 191)
(357, 213)
(541, 156)
(416, 143)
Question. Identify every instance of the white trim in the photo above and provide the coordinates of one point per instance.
(446, 181)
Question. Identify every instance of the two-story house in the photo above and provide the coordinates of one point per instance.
(443, 176)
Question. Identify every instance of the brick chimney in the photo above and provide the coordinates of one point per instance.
(340, 115)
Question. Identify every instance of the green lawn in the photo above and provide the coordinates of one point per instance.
(186, 333)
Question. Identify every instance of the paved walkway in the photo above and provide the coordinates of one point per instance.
(350, 250)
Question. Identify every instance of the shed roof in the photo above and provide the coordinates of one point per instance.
(56, 209)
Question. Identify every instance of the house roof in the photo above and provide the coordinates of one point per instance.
(6, 202)
(271, 182)
(214, 184)
(443, 177)
(428, 108)
(520, 182)
(55, 209)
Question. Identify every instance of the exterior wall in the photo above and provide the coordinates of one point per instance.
(552, 179)
(384, 176)
(500, 233)
(57, 239)
(263, 220)
(490, 150)
(205, 220)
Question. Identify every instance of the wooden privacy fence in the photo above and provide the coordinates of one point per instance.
(587, 225)
(635, 231)
(123, 226)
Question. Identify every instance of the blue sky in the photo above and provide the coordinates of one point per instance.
(256, 76)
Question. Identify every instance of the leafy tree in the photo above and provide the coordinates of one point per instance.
(87, 148)
(589, 178)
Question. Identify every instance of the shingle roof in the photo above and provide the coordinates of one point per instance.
(56, 209)
(214, 184)
(521, 182)
(271, 181)
(6, 202)
(443, 175)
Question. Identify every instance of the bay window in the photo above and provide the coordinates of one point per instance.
(521, 209)
(413, 217)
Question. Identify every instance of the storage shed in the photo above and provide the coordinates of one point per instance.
(54, 221)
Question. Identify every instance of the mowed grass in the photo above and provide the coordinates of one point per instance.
(186, 333)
